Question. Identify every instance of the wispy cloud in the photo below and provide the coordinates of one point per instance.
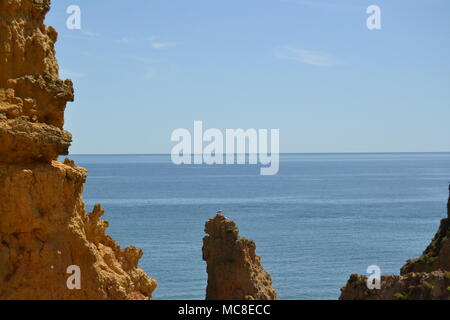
(162, 45)
(331, 5)
(123, 40)
(143, 60)
(155, 43)
(83, 34)
(148, 65)
(69, 74)
(90, 33)
(300, 55)
(150, 74)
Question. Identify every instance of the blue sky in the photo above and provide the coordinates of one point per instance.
(310, 68)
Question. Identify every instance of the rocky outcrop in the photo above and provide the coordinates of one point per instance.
(44, 227)
(437, 254)
(234, 270)
(32, 97)
(412, 286)
(427, 277)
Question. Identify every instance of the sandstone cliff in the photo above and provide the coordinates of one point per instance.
(234, 270)
(44, 227)
(424, 278)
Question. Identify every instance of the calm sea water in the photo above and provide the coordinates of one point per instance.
(320, 219)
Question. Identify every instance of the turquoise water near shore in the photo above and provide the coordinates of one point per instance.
(323, 217)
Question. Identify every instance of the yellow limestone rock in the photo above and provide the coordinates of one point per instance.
(234, 270)
(44, 227)
(424, 278)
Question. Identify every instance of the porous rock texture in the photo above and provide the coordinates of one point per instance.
(424, 278)
(44, 227)
(234, 270)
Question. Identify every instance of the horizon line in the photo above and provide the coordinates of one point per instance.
(281, 153)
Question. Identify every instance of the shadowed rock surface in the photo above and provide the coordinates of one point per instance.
(44, 227)
(424, 278)
(234, 270)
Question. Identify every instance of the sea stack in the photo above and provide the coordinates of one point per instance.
(50, 248)
(424, 278)
(234, 270)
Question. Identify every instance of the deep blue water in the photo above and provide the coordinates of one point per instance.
(323, 217)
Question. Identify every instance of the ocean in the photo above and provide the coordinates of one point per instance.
(322, 218)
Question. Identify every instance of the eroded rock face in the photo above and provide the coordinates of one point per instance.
(411, 286)
(234, 270)
(32, 97)
(44, 227)
(427, 277)
(436, 256)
